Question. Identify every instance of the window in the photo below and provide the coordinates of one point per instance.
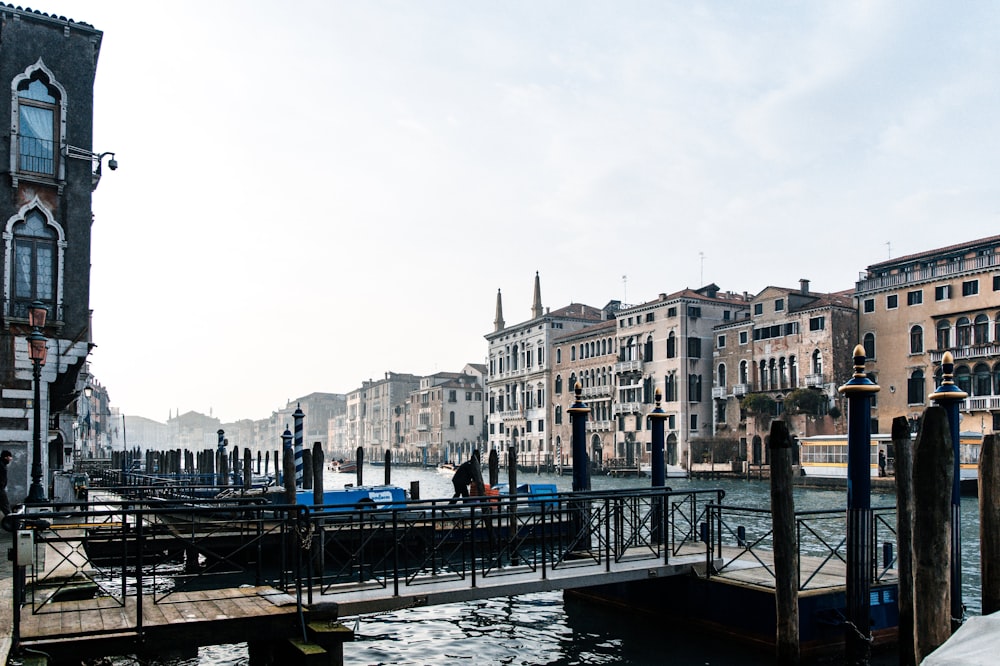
(914, 297)
(758, 309)
(722, 341)
(996, 283)
(817, 323)
(541, 425)
(743, 373)
(672, 312)
(970, 287)
(916, 340)
(33, 242)
(869, 305)
(869, 345)
(647, 351)
(452, 396)
(963, 378)
(981, 329)
(891, 302)
(721, 376)
(671, 345)
(942, 292)
(694, 311)
(39, 121)
(694, 388)
(451, 419)
(649, 316)
(744, 338)
(472, 420)
(694, 422)
(558, 415)
(981, 380)
(779, 305)
(963, 332)
(694, 347)
(559, 355)
(943, 335)
(558, 384)
(915, 388)
(670, 388)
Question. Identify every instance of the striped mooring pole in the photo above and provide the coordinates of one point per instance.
(578, 416)
(950, 397)
(286, 445)
(857, 625)
(298, 416)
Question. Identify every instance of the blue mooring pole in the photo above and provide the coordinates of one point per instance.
(298, 416)
(857, 626)
(286, 445)
(950, 397)
(657, 468)
(578, 416)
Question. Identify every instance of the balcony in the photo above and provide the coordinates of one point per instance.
(815, 380)
(982, 403)
(596, 392)
(925, 273)
(740, 390)
(628, 366)
(718, 392)
(423, 427)
(968, 352)
(628, 408)
(599, 425)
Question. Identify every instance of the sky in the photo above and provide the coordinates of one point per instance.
(311, 194)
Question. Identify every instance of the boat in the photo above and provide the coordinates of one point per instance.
(446, 468)
(671, 471)
(825, 456)
(344, 466)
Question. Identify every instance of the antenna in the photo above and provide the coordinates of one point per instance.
(701, 276)
(625, 289)
(888, 247)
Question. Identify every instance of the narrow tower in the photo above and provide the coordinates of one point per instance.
(498, 324)
(536, 306)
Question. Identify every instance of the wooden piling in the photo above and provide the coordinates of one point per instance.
(989, 524)
(388, 466)
(247, 469)
(307, 465)
(903, 446)
(360, 471)
(288, 466)
(494, 463)
(931, 539)
(786, 555)
(316, 469)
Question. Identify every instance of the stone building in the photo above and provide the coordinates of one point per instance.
(915, 308)
(371, 414)
(48, 64)
(445, 417)
(789, 339)
(519, 375)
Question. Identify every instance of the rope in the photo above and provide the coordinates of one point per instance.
(867, 639)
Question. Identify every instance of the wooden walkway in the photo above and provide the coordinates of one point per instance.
(208, 617)
(817, 573)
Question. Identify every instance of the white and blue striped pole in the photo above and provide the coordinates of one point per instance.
(298, 415)
(286, 445)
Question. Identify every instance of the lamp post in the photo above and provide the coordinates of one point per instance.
(88, 391)
(37, 350)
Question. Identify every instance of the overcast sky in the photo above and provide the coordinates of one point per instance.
(311, 194)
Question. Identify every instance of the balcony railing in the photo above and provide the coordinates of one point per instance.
(628, 408)
(599, 425)
(968, 352)
(924, 273)
(815, 380)
(628, 366)
(740, 389)
(982, 403)
(718, 392)
(596, 392)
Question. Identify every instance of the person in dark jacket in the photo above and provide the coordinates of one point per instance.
(5, 459)
(461, 479)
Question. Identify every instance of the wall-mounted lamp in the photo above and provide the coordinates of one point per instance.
(82, 154)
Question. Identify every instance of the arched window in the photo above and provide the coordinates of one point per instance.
(721, 376)
(648, 351)
(943, 335)
(762, 375)
(915, 388)
(916, 340)
(39, 121)
(963, 332)
(981, 379)
(743, 373)
(963, 378)
(981, 330)
(869, 344)
(35, 244)
(671, 345)
(559, 355)
(773, 369)
(793, 372)
(451, 419)
(558, 415)
(996, 379)
(817, 362)
(782, 372)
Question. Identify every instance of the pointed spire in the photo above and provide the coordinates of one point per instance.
(498, 324)
(536, 306)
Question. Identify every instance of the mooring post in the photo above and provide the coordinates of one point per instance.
(286, 449)
(989, 524)
(359, 473)
(388, 467)
(317, 468)
(903, 447)
(494, 462)
(297, 417)
(307, 465)
(786, 552)
(288, 464)
(220, 451)
(578, 417)
(857, 625)
(657, 470)
(950, 397)
(247, 468)
(932, 473)
(512, 470)
(223, 465)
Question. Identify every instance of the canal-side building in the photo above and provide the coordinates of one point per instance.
(915, 308)
(48, 64)
(666, 344)
(445, 417)
(372, 415)
(586, 356)
(519, 375)
(787, 340)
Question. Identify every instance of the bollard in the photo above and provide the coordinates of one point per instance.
(857, 625)
(286, 448)
(494, 463)
(297, 417)
(307, 465)
(950, 397)
(931, 546)
(360, 471)
(316, 470)
(786, 552)
(414, 490)
(288, 464)
(989, 524)
(578, 417)
(388, 467)
(247, 469)
(904, 529)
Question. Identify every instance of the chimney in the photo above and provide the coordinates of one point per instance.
(804, 285)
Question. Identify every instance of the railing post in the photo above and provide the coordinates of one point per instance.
(140, 544)
(950, 398)
(859, 391)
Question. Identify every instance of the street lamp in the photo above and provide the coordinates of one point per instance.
(88, 391)
(37, 350)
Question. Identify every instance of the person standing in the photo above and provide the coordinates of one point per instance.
(462, 478)
(5, 458)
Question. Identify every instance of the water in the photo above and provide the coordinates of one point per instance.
(542, 628)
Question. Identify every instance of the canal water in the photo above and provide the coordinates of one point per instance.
(542, 628)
